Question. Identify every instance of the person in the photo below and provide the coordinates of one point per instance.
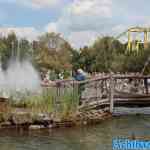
(80, 75)
(60, 76)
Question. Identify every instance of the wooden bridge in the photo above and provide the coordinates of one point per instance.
(114, 94)
(96, 99)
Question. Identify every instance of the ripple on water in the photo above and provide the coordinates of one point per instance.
(98, 137)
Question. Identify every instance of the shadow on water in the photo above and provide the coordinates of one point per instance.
(98, 137)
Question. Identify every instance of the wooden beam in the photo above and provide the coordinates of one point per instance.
(111, 93)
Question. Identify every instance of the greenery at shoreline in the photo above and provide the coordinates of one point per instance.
(49, 101)
(52, 52)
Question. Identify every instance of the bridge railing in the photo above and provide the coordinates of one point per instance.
(136, 84)
(100, 91)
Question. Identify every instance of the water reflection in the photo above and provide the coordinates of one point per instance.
(97, 137)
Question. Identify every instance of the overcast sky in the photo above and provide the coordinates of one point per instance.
(78, 21)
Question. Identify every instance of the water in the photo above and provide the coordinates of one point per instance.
(97, 137)
(20, 77)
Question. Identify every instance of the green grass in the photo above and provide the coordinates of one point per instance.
(70, 102)
(61, 102)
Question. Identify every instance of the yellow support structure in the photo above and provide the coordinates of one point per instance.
(137, 44)
(129, 41)
(131, 45)
(145, 39)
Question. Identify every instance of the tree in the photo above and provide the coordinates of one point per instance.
(24, 49)
(52, 52)
(54, 56)
(104, 52)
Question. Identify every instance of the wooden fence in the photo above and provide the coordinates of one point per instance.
(106, 92)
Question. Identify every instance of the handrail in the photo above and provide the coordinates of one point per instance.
(72, 81)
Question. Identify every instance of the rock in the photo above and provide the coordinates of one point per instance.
(51, 126)
(36, 127)
(6, 124)
(56, 119)
(84, 122)
(42, 119)
(21, 118)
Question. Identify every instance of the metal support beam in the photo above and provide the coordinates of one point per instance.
(130, 45)
(145, 39)
(129, 41)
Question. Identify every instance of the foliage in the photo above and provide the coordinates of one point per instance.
(49, 55)
(52, 52)
(38, 103)
(109, 54)
(13, 48)
(62, 105)
(70, 102)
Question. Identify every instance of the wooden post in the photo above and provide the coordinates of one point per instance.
(111, 93)
(146, 85)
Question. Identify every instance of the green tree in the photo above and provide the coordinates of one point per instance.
(53, 53)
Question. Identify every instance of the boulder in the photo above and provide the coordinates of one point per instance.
(6, 124)
(36, 127)
(42, 119)
(21, 118)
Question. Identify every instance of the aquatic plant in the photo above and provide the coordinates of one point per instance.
(40, 103)
(61, 102)
(70, 101)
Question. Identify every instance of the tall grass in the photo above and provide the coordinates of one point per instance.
(61, 102)
(70, 101)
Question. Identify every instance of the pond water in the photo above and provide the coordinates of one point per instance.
(97, 137)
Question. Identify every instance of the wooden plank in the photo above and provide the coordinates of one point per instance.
(111, 93)
(132, 99)
(95, 101)
(131, 111)
(131, 77)
(127, 94)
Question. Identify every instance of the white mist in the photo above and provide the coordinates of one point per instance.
(20, 77)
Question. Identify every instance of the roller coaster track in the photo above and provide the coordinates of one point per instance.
(136, 42)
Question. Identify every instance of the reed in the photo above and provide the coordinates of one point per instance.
(62, 102)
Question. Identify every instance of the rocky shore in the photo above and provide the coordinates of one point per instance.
(29, 121)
